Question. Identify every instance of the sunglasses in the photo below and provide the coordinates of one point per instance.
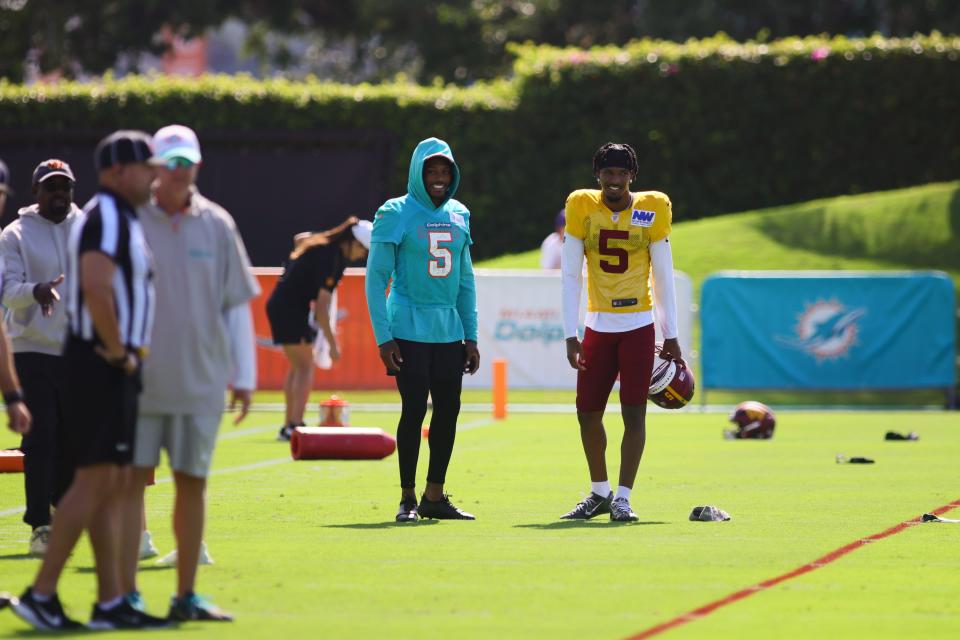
(179, 163)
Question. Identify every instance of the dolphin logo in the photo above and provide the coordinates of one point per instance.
(827, 330)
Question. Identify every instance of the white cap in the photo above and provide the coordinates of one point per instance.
(362, 232)
(177, 141)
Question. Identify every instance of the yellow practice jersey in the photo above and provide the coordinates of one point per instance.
(617, 246)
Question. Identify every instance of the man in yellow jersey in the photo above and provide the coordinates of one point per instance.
(623, 236)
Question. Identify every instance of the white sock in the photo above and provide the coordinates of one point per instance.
(623, 492)
(601, 488)
(110, 604)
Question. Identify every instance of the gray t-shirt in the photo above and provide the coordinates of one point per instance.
(202, 270)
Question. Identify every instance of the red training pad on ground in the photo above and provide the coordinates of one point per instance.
(11, 461)
(341, 443)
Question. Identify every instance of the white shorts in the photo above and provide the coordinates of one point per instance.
(188, 439)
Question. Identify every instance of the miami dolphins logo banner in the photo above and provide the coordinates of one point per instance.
(828, 330)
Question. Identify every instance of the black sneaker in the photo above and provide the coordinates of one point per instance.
(620, 511)
(441, 509)
(407, 511)
(46, 616)
(193, 607)
(592, 506)
(124, 616)
(286, 431)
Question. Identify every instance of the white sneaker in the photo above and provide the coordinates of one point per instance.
(170, 560)
(147, 548)
(38, 541)
(620, 511)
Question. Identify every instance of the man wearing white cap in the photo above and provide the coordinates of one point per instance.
(203, 343)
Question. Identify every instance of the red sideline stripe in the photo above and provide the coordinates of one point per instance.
(836, 554)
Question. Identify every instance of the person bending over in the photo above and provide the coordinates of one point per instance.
(310, 275)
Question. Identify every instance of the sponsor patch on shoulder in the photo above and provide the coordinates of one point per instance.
(641, 218)
(457, 219)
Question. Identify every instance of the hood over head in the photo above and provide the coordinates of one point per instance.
(425, 150)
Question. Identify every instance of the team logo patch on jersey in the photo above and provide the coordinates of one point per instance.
(641, 218)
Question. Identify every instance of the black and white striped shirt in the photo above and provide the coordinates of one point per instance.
(110, 226)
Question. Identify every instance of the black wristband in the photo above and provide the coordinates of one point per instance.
(13, 397)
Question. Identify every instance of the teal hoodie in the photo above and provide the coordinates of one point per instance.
(423, 252)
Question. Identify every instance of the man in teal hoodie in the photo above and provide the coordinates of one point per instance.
(427, 327)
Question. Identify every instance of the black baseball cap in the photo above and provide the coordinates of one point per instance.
(126, 146)
(4, 178)
(50, 168)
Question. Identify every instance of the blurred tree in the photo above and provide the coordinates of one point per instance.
(71, 37)
(457, 40)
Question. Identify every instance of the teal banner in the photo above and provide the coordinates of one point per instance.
(828, 330)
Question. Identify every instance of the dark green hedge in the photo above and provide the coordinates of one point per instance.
(718, 125)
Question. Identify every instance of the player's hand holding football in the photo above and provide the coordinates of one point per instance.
(390, 355)
(671, 351)
(471, 360)
(575, 354)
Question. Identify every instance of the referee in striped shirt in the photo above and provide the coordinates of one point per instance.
(110, 309)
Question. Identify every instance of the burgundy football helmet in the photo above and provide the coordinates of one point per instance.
(671, 384)
(754, 420)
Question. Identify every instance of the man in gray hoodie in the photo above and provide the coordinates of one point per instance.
(34, 253)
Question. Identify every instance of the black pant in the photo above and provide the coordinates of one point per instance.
(48, 469)
(437, 369)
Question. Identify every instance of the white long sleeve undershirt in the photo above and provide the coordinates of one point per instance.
(243, 347)
(571, 279)
(664, 289)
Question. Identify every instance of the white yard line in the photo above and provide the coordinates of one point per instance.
(474, 424)
(237, 433)
(12, 512)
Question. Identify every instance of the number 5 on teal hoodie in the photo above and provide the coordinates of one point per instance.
(425, 250)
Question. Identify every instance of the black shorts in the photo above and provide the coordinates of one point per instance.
(101, 407)
(430, 359)
(289, 323)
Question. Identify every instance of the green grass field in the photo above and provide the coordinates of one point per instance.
(310, 547)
